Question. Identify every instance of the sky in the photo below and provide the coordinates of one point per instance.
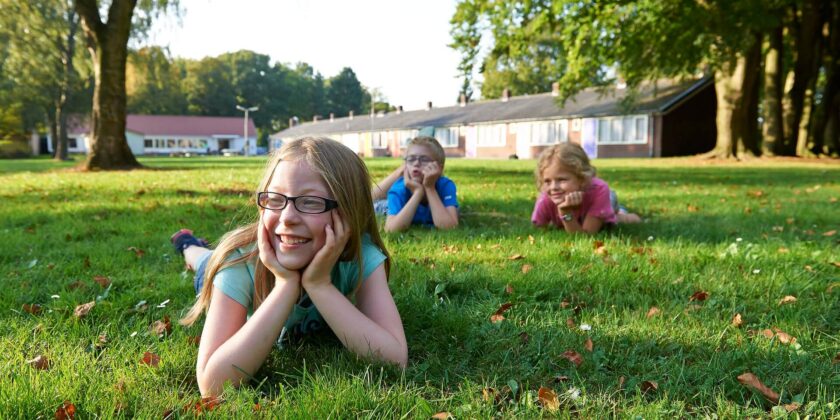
(397, 47)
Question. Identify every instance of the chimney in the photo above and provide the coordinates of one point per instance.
(428, 105)
(332, 117)
(505, 94)
(315, 118)
(463, 100)
(291, 122)
(351, 114)
(399, 110)
(555, 89)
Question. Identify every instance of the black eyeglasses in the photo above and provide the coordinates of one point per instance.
(422, 159)
(309, 204)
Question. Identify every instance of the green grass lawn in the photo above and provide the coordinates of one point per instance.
(747, 234)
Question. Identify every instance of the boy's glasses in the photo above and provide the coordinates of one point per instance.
(422, 159)
(309, 204)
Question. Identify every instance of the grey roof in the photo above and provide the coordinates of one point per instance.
(593, 102)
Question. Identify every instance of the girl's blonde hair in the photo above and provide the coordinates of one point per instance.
(570, 155)
(347, 179)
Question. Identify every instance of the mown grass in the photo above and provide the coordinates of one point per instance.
(748, 234)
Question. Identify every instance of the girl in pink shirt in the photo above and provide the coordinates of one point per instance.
(571, 196)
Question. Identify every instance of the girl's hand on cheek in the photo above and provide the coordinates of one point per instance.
(317, 274)
(571, 200)
(269, 255)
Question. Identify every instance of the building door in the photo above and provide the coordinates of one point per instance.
(470, 141)
(523, 140)
(224, 144)
(589, 137)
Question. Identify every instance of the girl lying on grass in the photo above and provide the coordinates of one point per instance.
(572, 197)
(314, 244)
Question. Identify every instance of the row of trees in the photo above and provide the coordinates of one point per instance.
(773, 61)
(61, 57)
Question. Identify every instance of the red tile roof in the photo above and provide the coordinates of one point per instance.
(175, 125)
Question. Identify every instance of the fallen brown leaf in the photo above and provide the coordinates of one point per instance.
(751, 381)
(150, 359)
(692, 208)
(699, 296)
(194, 340)
(548, 399)
(83, 309)
(571, 323)
(835, 263)
(509, 289)
(621, 382)
(32, 308)
(75, 285)
(784, 337)
(489, 394)
(836, 359)
(597, 244)
(162, 327)
(736, 321)
(39, 362)
(588, 344)
(137, 251)
(647, 386)
(564, 304)
(497, 316)
(653, 311)
(573, 357)
(531, 239)
(65, 411)
(561, 378)
(524, 337)
(515, 257)
(102, 280)
(526, 268)
(830, 233)
(443, 415)
(787, 299)
(792, 406)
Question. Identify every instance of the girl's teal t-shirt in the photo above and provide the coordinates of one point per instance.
(237, 282)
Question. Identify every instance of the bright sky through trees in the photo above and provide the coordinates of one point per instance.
(399, 47)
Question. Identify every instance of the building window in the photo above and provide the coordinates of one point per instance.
(202, 143)
(148, 143)
(406, 136)
(492, 135)
(71, 143)
(563, 131)
(576, 124)
(380, 140)
(170, 143)
(622, 130)
(447, 136)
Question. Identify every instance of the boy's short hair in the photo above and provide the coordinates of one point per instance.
(432, 144)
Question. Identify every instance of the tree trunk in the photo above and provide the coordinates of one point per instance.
(68, 51)
(737, 101)
(108, 45)
(831, 93)
(773, 130)
(807, 34)
(832, 134)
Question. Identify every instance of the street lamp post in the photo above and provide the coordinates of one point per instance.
(251, 109)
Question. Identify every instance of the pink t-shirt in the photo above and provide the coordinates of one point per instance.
(596, 203)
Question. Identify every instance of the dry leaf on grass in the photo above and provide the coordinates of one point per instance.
(836, 359)
(137, 251)
(162, 327)
(83, 309)
(524, 337)
(548, 399)
(102, 281)
(830, 233)
(653, 311)
(588, 344)
(515, 257)
(443, 415)
(526, 268)
(571, 323)
(65, 411)
(751, 381)
(573, 357)
(787, 299)
(621, 380)
(498, 315)
(32, 308)
(649, 386)
(150, 359)
(736, 321)
(792, 406)
(699, 296)
(490, 394)
(39, 362)
(509, 289)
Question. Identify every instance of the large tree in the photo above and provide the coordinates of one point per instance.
(345, 93)
(107, 42)
(153, 83)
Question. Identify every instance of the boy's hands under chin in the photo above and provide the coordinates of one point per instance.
(268, 256)
(317, 273)
(412, 184)
(431, 173)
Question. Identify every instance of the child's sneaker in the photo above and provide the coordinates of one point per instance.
(184, 239)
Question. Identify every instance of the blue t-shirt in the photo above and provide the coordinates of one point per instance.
(399, 194)
(237, 282)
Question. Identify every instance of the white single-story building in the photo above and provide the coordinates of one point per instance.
(171, 134)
